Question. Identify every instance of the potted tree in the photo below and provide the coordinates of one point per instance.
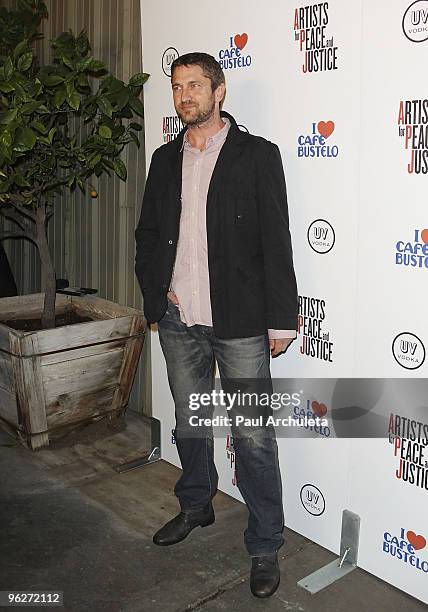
(60, 125)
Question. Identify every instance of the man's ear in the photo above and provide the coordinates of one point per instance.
(220, 92)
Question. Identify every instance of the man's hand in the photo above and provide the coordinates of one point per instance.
(172, 297)
(279, 345)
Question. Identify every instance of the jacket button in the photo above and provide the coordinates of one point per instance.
(169, 241)
(164, 286)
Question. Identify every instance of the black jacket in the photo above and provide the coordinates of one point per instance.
(252, 281)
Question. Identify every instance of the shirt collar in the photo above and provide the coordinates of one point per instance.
(218, 137)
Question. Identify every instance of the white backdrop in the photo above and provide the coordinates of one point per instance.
(357, 217)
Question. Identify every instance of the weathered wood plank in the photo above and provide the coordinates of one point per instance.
(83, 334)
(81, 352)
(79, 405)
(29, 306)
(129, 363)
(86, 374)
(102, 307)
(6, 373)
(29, 386)
(8, 407)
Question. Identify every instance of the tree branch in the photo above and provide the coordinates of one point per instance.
(15, 216)
(24, 211)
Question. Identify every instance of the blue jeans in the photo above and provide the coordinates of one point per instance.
(190, 354)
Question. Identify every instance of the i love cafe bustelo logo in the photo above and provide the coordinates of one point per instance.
(407, 547)
(234, 56)
(315, 143)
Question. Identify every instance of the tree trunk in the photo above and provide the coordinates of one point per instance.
(48, 317)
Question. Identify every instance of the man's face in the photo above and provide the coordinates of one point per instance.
(194, 100)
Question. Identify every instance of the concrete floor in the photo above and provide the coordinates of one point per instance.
(69, 521)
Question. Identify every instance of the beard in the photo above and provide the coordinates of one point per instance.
(200, 117)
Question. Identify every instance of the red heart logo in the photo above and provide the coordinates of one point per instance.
(319, 409)
(326, 128)
(240, 40)
(417, 541)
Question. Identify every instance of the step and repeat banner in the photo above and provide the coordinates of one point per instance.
(341, 88)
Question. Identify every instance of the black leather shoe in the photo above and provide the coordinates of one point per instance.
(181, 525)
(264, 575)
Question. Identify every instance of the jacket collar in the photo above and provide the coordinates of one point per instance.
(234, 134)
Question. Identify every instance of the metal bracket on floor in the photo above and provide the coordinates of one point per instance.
(153, 455)
(347, 561)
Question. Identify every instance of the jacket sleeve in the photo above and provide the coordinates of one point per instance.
(280, 281)
(148, 230)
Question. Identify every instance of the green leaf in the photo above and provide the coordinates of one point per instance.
(6, 144)
(136, 126)
(120, 168)
(74, 100)
(51, 134)
(60, 96)
(93, 161)
(137, 106)
(82, 81)
(6, 87)
(25, 61)
(8, 116)
(96, 66)
(67, 61)
(29, 107)
(52, 80)
(20, 48)
(138, 79)
(39, 127)
(104, 131)
(20, 181)
(135, 138)
(25, 139)
(8, 69)
(122, 98)
(105, 106)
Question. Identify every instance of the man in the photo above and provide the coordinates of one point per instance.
(214, 262)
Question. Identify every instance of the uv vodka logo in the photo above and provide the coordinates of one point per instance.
(321, 236)
(408, 351)
(312, 499)
(169, 55)
(415, 21)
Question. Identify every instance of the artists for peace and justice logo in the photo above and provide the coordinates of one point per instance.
(314, 340)
(312, 499)
(407, 547)
(409, 440)
(408, 350)
(171, 127)
(321, 236)
(315, 144)
(234, 55)
(415, 21)
(413, 253)
(413, 128)
(168, 56)
(230, 454)
(310, 32)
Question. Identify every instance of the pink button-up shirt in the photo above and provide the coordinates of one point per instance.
(190, 280)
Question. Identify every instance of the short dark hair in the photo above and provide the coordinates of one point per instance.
(210, 66)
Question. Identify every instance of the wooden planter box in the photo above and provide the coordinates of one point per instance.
(53, 379)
